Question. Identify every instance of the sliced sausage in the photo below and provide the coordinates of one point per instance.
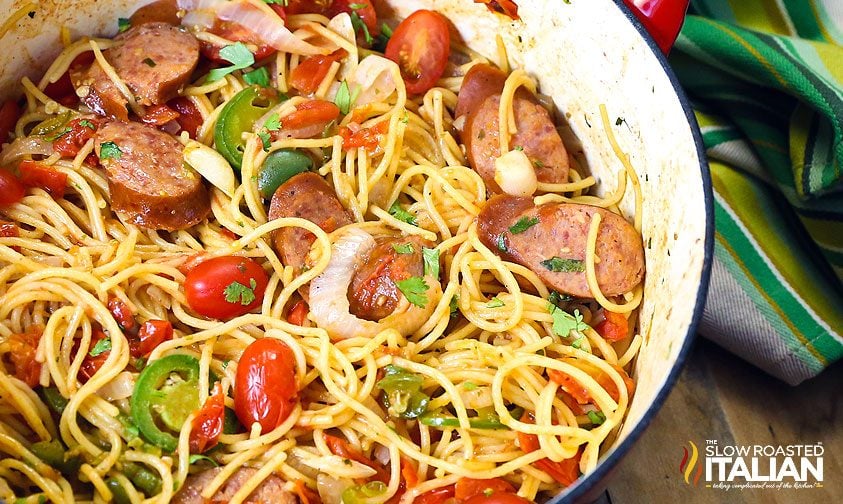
(560, 230)
(149, 182)
(163, 11)
(309, 197)
(479, 83)
(270, 490)
(372, 294)
(536, 134)
(154, 60)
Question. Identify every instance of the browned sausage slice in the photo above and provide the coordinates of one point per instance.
(560, 230)
(164, 11)
(149, 182)
(309, 197)
(270, 490)
(479, 83)
(536, 134)
(372, 294)
(98, 92)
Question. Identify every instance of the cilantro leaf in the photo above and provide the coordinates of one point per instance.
(414, 289)
(282, 3)
(110, 150)
(556, 298)
(469, 386)
(559, 265)
(123, 24)
(431, 262)
(523, 224)
(564, 323)
(403, 249)
(266, 140)
(196, 458)
(150, 62)
(87, 124)
(258, 76)
(238, 55)
(454, 305)
(399, 213)
(495, 302)
(343, 98)
(596, 417)
(273, 123)
(239, 293)
(360, 26)
(102, 346)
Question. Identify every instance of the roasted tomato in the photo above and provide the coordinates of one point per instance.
(614, 327)
(151, 334)
(22, 349)
(225, 287)
(436, 496)
(308, 120)
(81, 130)
(11, 190)
(34, 174)
(189, 119)
(498, 498)
(421, 45)
(236, 33)
(208, 422)
(468, 487)
(93, 363)
(265, 385)
(564, 472)
(307, 76)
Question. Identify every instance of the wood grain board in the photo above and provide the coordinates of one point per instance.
(721, 397)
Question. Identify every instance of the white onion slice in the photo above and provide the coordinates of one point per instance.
(329, 304)
(341, 24)
(25, 146)
(268, 27)
(515, 174)
(211, 165)
(120, 387)
(374, 79)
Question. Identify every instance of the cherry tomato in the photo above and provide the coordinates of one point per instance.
(436, 496)
(570, 386)
(10, 230)
(307, 76)
(498, 498)
(614, 327)
(189, 119)
(22, 349)
(225, 287)
(151, 334)
(468, 487)
(297, 314)
(367, 138)
(9, 114)
(91, 364)
(265, 385)
(505, 7)
(308, 120)
(81, 130)
(341, 448)
(11, 190)
(421, 45)
(564, 472)
(236, 33)
(34, 174)
(208, 422)
(122, 314)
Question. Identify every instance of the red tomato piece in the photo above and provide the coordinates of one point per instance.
(62, 91)
(34, 174)
(421, 46)
(307, 76)
(298, 313)
(208, 422)
(81, 130)
(280, 11)
(498, 498)
(11, 190)
(10, 230)
(122, 314)
(158, 115)
(22, 349)
(192, 262)
(570, 386)
(9, 115)
(614, 327)
(189, 118)
(409, 472)
(581, 394)
(341, 448)
(468, 487)
(236, 33)
(265, 385)
(225, 287)
(436, 496)
(294, 7)
(308, 120)
(151, 334)
(505, 7)
(305, 494)
(564, 472)
(367, 138)
(92, 363)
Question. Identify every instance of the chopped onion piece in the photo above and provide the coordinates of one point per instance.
(515, 175)
(211, 165)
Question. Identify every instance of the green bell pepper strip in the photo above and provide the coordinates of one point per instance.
(55, 455)
(403, 396)
(54, 399)
(118, 493)
(485, 420)
(279, 167)
(157, 400)
(147, 481)
(361, 494)
(239, 116)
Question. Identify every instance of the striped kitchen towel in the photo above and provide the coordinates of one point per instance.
(766, 80)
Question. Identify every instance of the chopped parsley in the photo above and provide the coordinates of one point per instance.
(273, 123)
(343, 99)
(431, 262)
(556, 298)
(259, 76)
(495, 302)
(360, 25)
(403, 249)
(123, 24)
(87, 124)
(414, 289)
(282, 3)
(596, 417)
(518, 148)
(238, 55)
(225, 363)
(454, 305)
(578, 342)
(564, 323)
(538, 163)
(469, 386)
(559, 265)
(266, 140)
(523, 224)
(149, 62)
(196, 458)
(102, 346)
(399, 213)
(239, 293)
(110, 150)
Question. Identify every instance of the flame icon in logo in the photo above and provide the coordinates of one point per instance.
(687, 465)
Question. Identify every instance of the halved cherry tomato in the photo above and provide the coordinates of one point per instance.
(421, 45)
(34, 174)
(265, 387)
(308, 120)
(122, 314)
(151, 334)
(92, 363)
(368, 138)
(614, 327)
(9, 114)
(468, 487)
(208, 422)
(225, 287)
(192, 262)
(570, 386)
(498, 498)
(564, 472)
(236, 33)
(298, 313)
(280, 11)
(341, 448)
(409, 472)
(505, 7)
(22, 349)
(11, 190)
(307, 76)
(81, 130)
(436, 496)
(189, 119)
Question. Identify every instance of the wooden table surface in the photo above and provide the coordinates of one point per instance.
(721, 397)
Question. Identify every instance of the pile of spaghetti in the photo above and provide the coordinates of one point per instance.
(132, 368)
